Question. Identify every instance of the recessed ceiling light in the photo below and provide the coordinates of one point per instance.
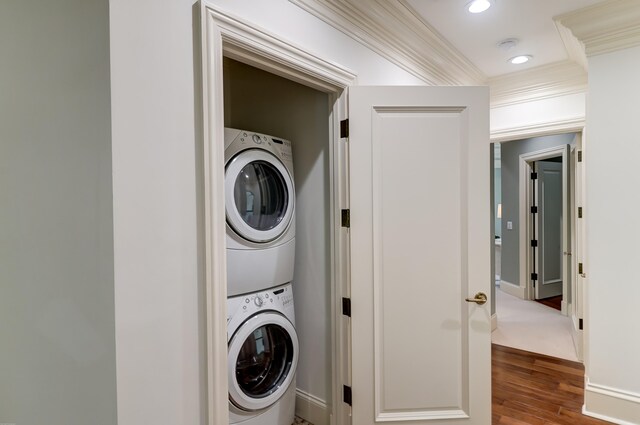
(518, 60)
(478, 6)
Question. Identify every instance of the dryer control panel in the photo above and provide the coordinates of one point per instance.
(238, 140)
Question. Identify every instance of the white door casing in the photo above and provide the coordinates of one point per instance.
(550, 220)
(527, 265)
(578, 254)
(420, 245)
(223, 34)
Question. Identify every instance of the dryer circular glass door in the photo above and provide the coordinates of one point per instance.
(259, 195)
(263, 356)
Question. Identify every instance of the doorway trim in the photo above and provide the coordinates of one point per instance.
(222, 34)
(568, 125)
(526, 223)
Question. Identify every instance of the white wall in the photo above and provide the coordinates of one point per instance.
(543, 111)
(611, 213)
(158, 295)
(57, 331)
(158, 281)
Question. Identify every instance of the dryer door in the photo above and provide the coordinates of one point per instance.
(263, 356)
(259, 195)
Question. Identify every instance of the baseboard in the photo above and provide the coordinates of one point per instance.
(311, 408)
(564, 308)
(494, 322)
(611, 404)
(512, 289)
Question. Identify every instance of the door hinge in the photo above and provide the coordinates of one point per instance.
(346, 306)
(580, 267)
(346, 218)
(579, 156)
(534, 243)
(580, 324)
(534, 175)
(579, 212)
(534, 276)
(344, 128)
(534, 210)
(346, 394)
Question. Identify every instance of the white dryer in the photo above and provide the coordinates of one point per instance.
(260, 211)
(262, 357)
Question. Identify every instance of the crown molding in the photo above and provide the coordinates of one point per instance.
(542, 82)
(573, 46)
(605, 27)
(397, 33)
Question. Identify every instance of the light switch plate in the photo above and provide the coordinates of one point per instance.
(509, 225)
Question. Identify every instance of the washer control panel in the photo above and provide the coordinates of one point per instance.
(242, 307)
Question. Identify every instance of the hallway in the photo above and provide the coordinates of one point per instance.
(531, 326)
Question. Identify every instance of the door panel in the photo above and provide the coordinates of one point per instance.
(550, 229)
(420, 242)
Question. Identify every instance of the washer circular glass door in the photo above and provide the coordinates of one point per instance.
(259, 195)
(263, 356)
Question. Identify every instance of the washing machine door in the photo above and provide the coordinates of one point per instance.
(259, 195)
(263, 356)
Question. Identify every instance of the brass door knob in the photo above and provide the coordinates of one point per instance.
(480, 298)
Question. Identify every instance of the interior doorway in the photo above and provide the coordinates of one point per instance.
(534, 185)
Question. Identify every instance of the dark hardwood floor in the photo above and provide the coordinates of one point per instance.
(553, 302)
(534, 389)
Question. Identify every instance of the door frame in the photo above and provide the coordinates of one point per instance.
(526, 232)
(579, 283)
(218, 35)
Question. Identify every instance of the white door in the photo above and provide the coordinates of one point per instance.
(549, 228)
(420, 241)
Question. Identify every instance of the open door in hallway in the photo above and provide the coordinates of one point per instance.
(549, 224)
(420, 241)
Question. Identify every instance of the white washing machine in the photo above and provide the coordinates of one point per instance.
(262, 357)
(260, 211)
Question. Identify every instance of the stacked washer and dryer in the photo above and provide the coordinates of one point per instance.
(261, 335)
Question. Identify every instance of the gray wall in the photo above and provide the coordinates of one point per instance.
(510, 153)
(57, 341)
(259, 101)
(497, 184)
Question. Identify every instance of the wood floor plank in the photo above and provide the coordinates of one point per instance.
(534, 389)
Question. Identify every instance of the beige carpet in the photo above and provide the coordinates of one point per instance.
(531, 326)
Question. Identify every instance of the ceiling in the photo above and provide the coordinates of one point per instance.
(476, 35)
